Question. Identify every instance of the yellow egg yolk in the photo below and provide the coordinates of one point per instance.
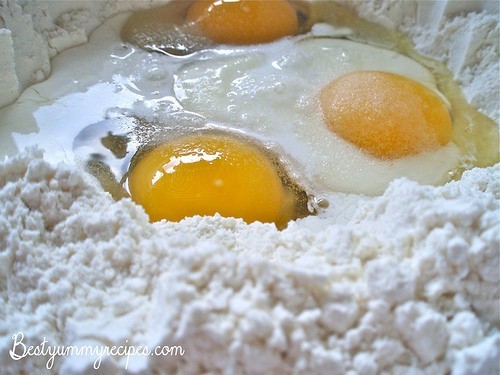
(202, 174)
(385, 114)
(244, 21)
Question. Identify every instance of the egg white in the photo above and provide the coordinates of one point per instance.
(273, 90)
(268, 91)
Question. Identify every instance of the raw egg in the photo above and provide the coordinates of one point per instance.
(204, 174)
(184, 27)
(244, 21)
(353, 116)
(385, 114)
(317, 111)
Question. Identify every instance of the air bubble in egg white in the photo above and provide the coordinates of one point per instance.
(121, 52)
(157, 73)
(116, 112)
(322, 202)
(324, 29)
(344, 57)
(279, 88)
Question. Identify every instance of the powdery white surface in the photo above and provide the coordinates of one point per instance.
(31, 33)
(462, 34)
(411, 283)
(410, 286)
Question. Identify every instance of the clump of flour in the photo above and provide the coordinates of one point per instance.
(31, 33)
(464, 35)
(410, 285)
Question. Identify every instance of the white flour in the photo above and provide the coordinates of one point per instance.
(31, 33)
(410, 286)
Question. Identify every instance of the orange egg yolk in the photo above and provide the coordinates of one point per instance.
(385, 114)
(203, 174)
(244, 21)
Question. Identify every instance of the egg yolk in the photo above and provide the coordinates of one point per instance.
(204, 174)
(244, 21)
(385, 114)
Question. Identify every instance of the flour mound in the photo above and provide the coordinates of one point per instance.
(411, 283)
(31, 33)
(409, 286)
(463, 35)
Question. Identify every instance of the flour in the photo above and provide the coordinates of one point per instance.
(466, 42)
(409, 286)
(82, 268)
(32, 33)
